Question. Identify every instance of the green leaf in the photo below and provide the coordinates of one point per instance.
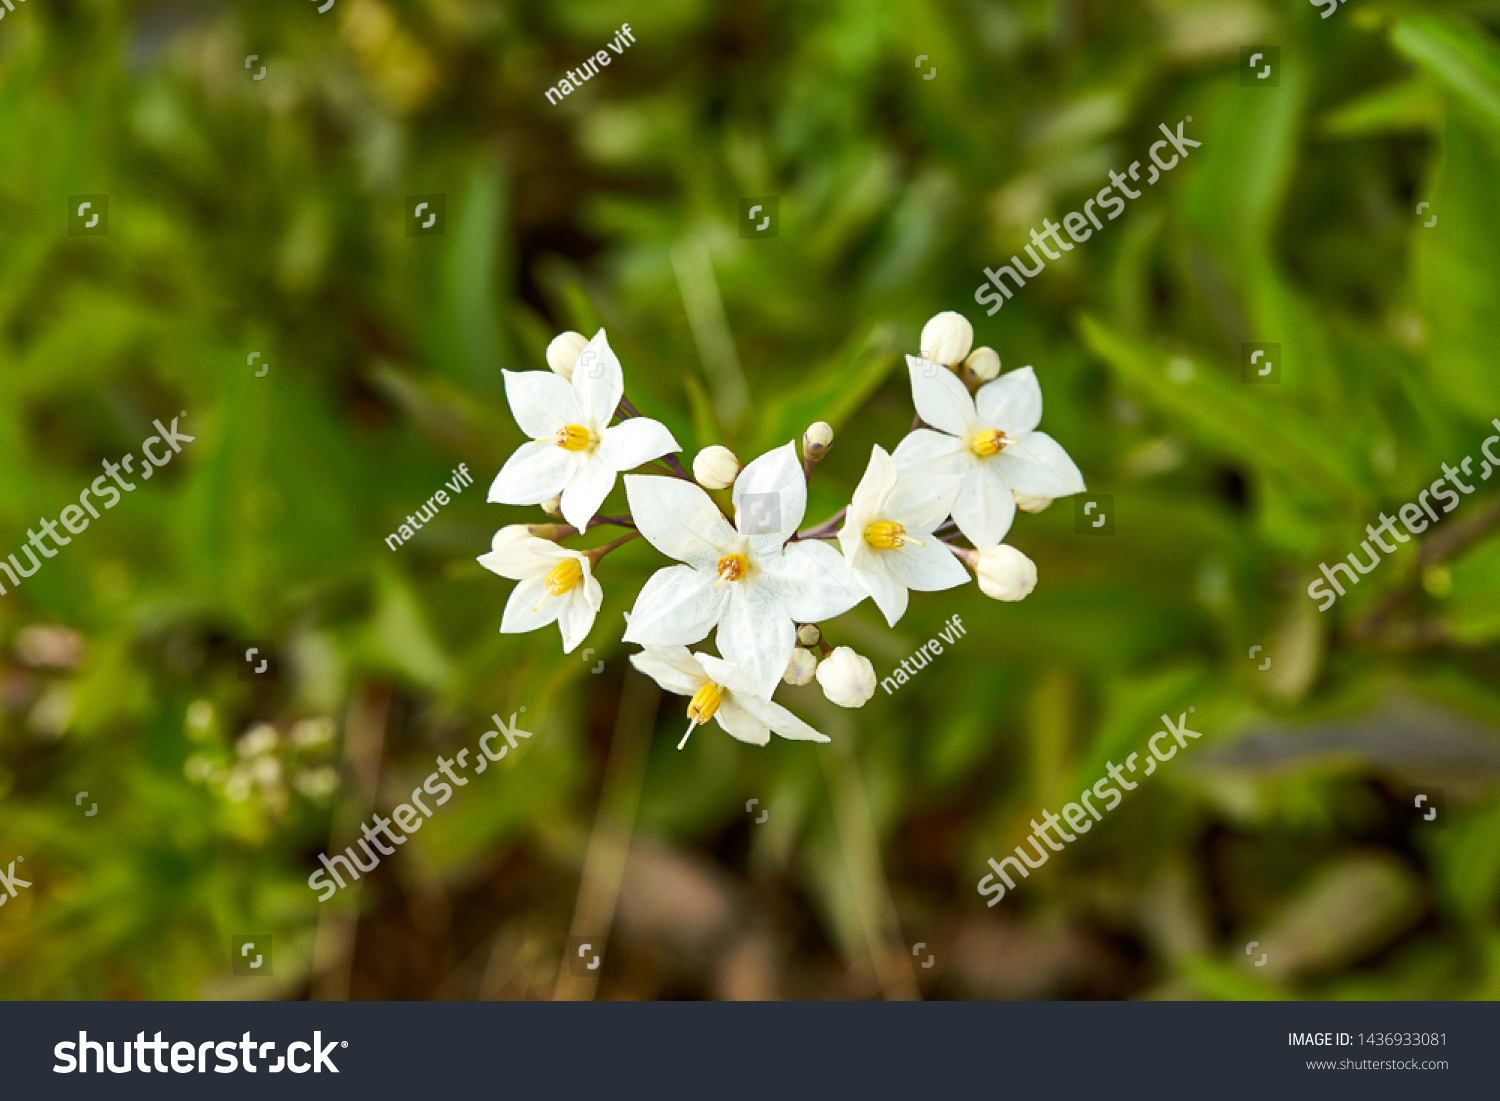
(1459, 57)
(1229, 416)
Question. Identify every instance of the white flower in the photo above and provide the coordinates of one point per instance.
(947, 338)
(801, 668)
(563, 353)
(1005, 573)
(574, 451)
(555, 584)
(716, 467)
(887, 534)
(989, 440)
(983, 365)
(847, 678)
(720, 690)
(743, 578)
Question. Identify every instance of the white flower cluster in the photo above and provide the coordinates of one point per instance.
(758, 581)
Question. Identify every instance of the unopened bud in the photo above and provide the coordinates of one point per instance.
(847, 678)
(511, 533)
(808, 634)
(947, 338)
(563, 352)
(982, 365)
(716, 467)
(817, 440)
(801, 668)
(1005, 573)
(1030, 504)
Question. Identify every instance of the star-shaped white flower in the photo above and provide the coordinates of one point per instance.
(574, 451)
(887, 534)
(720, 690)
(555, 584)
(743, 578)
(990, 441)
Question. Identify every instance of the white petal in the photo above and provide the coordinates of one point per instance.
(921, 503)
(813, 581)
(781, 497)
(536, 472)
(756, 633)
(741, 724)
(677, 605)
(726, 674)
(636, 441)
(927, 569)
(1013, 402)
(927, 452)
(541, 402)
(598, 383)
(888, 593)
(868, 502)
(530, 606)
(779, 719)
(941, 400)
(672, 667)
(679, 519)
(1037, 466)
(985, 507)
(520, 559)
(576, 613)
(586, 490)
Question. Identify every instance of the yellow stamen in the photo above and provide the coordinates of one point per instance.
(564, 576)
(701, 708)
(990, 443)
(573, 437)
(731, 568)
(885, 534)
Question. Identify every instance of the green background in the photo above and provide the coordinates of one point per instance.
(268, 216)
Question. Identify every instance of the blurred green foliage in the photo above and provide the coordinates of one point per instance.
(267, 216)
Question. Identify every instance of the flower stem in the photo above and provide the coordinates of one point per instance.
(826, 530)
(599, 552)
(617, 521)
(625, 410)
(671, 461)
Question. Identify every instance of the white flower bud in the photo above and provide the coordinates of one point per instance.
(847, 678)
(1030, 504)
(1005, 573)
(553, 506)
(808, 634)
(563, 353)
(982, 365)
(801, 668)
(817, 440)
(947, 338)
(716, 467)
(511, 533)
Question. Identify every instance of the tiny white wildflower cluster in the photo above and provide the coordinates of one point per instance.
(757, 581)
